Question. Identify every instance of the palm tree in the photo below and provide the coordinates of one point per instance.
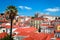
(12, 11)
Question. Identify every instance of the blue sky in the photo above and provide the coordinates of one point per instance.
(29, 7)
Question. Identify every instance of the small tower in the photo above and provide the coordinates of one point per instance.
(36, 14)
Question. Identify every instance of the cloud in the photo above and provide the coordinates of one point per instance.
(25, 7)
(28, 8)
(22, 7)
(53, 9)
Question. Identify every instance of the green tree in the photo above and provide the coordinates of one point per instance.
(12, 11)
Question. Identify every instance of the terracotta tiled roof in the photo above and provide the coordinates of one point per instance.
(53, 21)
(46, 25)
(28, 38)
(2, 35)
(14, 26)
(8, 26)
(45, 19)
(4, 20)
(49, 36)
(25, 31)
(58, 25)
(57, 30)
(57, 38)
(38, 18)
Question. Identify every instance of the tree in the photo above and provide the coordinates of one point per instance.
(12, 11)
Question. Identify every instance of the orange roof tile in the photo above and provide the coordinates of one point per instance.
(50, 36)
(58, 25)
(53, 21)
(28, 38)
(49, 26)
(8, 26)
(57, 38)
(22, 29)
(3, 20)
(38, 36)
(44, 25)
(38, 18)
(57, 30)
(2, 35)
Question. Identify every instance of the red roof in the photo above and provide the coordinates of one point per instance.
(53, 21)
(39, 36)
(46, 25)
(38, 18)
(2, 35)
(46, 19)
(0, 16)
(3, 24)
(50, 36)
(29, 29)
(57, 30)
(25, 31)
(22, 25)
(28, 38)
(36, 36)
(58, 25)
(8, 26)
(14, 26)
(50, 26)
(3, 20)
(57, 38)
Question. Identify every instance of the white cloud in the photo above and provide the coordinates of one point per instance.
(25, 7)
(22, 7)
(53, 9)
(28, 8)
